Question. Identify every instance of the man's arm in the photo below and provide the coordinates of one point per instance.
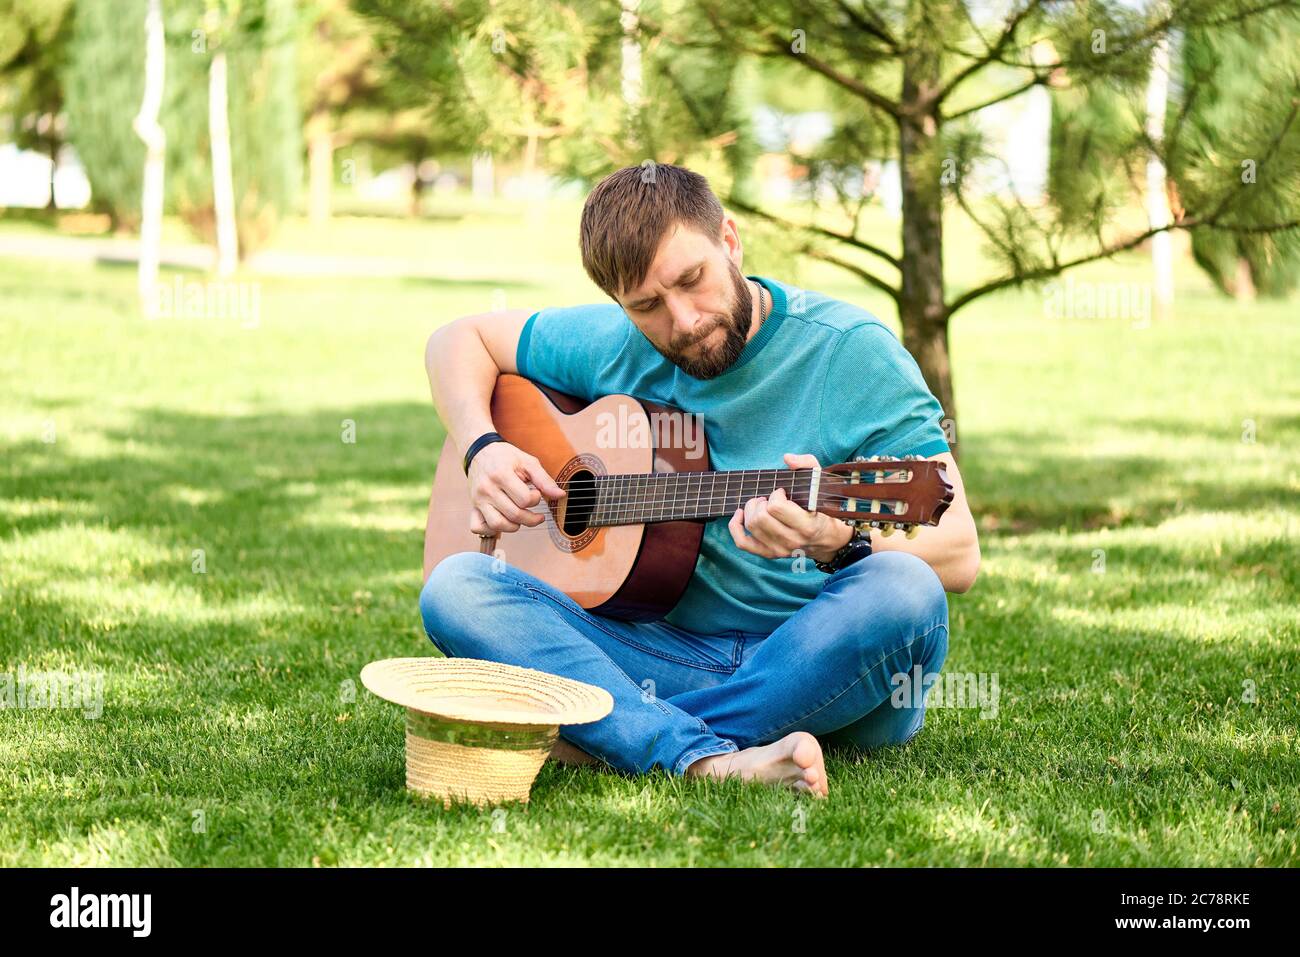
(952, 547)
(778, 527)
(463, 360)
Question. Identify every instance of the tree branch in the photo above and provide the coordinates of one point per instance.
(992, 53)
(1041, 79)
(857, 270)
(876, 27)
(1058, 267)
(854, 86)
(820, 231)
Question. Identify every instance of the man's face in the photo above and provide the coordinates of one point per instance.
(695, 306)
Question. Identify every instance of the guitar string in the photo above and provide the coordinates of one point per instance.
(645, 491)
(646, 506)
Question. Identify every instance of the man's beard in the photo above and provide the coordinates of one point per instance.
(712, 364)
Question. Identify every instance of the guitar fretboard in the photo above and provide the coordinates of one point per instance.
(677, 496)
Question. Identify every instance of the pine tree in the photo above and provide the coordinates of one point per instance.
(1222, 76)
(103, 85)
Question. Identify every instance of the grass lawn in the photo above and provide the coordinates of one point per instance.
(1137, 602)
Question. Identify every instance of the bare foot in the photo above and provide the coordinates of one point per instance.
(794, 761)
(565, 753)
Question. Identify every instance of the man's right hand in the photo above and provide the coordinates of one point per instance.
(499, 493)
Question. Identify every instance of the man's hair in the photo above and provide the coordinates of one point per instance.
(630, 212)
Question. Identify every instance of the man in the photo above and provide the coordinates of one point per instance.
(764, 652)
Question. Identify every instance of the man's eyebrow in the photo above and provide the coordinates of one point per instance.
(637, 304)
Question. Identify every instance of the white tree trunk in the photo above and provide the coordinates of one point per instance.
(147, 127)
(1158, 214)
(320, 167)
(483, 177)
(223, 181)
(631, 72)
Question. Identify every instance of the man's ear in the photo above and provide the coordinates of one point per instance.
(730, 236)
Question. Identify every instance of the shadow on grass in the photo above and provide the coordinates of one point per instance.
(237, 689)
(1022, 482)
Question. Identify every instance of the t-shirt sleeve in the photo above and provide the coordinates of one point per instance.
(571, 348)
(876, 402)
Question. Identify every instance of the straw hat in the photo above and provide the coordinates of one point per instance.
(480, 730)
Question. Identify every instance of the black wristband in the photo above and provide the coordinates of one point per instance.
(487, 438)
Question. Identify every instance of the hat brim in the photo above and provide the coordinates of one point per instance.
(471, 689)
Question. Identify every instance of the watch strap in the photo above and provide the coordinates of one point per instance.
(855, 549)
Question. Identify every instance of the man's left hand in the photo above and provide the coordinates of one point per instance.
(777, 527)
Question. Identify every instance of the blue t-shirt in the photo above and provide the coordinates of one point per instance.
(820, 377)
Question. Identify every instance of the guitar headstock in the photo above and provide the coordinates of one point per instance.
(882, 492)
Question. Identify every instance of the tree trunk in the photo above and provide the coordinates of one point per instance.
(1158, 213)
(1243, 288)
(921, 308)
(155, 141)
(483, 177)
(320, 166)
(223, 184)
(52, 147)
(631, 65)
(416, 209)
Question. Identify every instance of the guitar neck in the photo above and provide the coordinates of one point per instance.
(636, 499)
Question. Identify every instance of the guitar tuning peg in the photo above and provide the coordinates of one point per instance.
(912, 530)
(886, 529)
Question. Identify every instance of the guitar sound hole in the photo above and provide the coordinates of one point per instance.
(579, 503)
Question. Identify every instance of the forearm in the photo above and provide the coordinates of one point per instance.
(462, 375)
(951, 548)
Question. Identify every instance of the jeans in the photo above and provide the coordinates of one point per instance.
(834, 668)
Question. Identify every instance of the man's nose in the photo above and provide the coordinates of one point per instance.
(684, 318)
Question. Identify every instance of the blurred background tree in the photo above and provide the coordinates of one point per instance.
(552, 82)
(264, 117)
(103, 83)
(339, 81)
(1224, 76)
(903, 90)
(34, 37)
(1223, 83)
(906, 80)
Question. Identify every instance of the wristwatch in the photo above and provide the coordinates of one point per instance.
(856, 548)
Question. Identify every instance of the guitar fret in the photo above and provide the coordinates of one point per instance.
(640, 498)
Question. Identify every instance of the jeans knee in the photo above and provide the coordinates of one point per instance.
(909, 587)
(448, 594)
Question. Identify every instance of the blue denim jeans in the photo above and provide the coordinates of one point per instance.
(828, 669)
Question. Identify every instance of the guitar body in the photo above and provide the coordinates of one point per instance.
(631, 572)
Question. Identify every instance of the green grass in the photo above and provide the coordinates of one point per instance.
(1121, 737)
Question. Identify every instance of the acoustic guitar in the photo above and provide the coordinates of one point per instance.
(624, 540)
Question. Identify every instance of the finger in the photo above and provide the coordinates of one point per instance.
(507, 508)
(539, 477)
(476, 524)
(737, 530)
(769, 532)
(744, 542)
(495, 521)
(801, 461)
(522, 494)
(790, 513)
(523, 498)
